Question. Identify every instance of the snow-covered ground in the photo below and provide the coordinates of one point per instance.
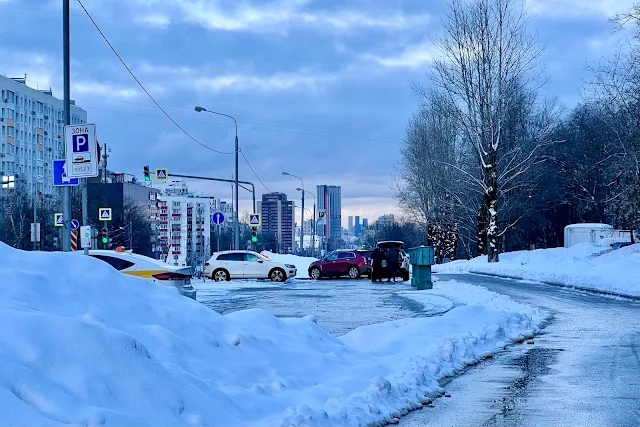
(583, 265)
(301, 263)
(82, 344)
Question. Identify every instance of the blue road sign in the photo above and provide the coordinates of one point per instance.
(217, 218)
(75, 224)
(60, 178)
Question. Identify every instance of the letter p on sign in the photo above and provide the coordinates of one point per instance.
(80, 143)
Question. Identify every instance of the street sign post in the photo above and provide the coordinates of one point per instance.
(85, 237)
(217, 218)
(321, 216)
(60, 176)
(255, 220)
(104, 214)
(35, 232)
(57, 219)
(75, 224)
(81, 151)
(162, 174)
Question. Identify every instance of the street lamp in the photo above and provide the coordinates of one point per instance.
(313, 222)
(236, 227)
(302, 211)
(35, 217)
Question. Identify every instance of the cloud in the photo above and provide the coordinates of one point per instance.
(275, 82)
(577, 8)
(105, 89)
(273, 16)
(414, 56)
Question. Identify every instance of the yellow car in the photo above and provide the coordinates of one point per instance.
(142, 266)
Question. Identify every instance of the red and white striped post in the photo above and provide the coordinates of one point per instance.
(74, 240)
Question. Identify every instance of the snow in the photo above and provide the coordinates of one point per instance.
(583, 265)
(301, 263)
(82, 344)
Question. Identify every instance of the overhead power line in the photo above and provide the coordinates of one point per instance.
(142, 86)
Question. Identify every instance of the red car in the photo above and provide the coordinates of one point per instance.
(340, 263)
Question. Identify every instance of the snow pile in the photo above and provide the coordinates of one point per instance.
(302, 263)
(82, 344)
(584, 265)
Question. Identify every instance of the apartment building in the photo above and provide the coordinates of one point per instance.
(32, 134)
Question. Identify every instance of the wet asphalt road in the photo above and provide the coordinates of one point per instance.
(338, 305)
(583, 370)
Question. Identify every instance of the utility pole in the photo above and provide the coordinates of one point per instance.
(66, 191)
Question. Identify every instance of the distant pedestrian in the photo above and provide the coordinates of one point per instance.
(392, 264)
(376, 265)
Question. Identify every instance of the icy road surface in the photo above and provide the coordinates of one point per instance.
(584, 370)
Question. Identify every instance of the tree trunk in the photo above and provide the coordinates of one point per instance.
(482, 227)
(492, 209)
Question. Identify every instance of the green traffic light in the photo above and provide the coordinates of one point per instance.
(147, 178)
(105, 240)
(254, 239)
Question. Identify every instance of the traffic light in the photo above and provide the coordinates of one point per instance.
(105, 235)
(147, 175)
(254, 234)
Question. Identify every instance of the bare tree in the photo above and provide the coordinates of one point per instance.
(485, 54)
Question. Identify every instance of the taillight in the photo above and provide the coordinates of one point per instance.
(169, 276)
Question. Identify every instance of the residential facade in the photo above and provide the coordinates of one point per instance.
(330, 199)
(32, 134)
(184, 225)
(278, 221)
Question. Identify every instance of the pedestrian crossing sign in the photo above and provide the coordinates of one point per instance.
(162, 174)
(57, 219)
(255, 220)
(104, 214)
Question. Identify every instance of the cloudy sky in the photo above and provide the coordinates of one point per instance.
(320, 88)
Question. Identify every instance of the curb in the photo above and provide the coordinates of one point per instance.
(561, 285)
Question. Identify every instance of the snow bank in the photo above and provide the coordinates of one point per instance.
(584, 265)
(82, 344)
(301, 263)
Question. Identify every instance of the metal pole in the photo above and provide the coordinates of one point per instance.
(66, 191)
(218, 238)
(313, 230)
(85, 206)
(253, 192)
(236, 224)
(35, 226)
(302, 223)
(130, 235)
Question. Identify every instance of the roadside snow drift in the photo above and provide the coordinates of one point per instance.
(82, 344)
(584, 265)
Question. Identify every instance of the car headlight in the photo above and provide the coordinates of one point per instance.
(290, 266)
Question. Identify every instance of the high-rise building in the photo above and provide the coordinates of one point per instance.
(350, 225)
(184, 225)
(357, 228)
(32, 134)
(330, 199)
(278, 223)
(385, 221)
(365, 224)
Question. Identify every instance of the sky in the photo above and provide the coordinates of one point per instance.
(320, 88)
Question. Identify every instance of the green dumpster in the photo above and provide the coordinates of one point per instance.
(421, 260)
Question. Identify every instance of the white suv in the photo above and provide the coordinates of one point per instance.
(227, 265)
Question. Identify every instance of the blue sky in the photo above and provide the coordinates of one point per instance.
(320, 88)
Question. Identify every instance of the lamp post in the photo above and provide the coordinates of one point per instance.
(313, 222)
(35, 212)
(236, 226)
(301, 213)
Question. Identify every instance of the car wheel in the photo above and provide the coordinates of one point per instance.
(354, 272)
(277, 275)
(220, 276)
(315, 273)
